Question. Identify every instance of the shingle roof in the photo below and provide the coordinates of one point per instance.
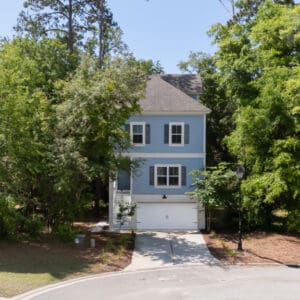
(162, 97)
(190, 84)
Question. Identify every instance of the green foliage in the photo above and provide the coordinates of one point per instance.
(32, 226)
(96, 105)
(65, 232)
(217, 186)
(10, 218)
(151, 67)
(29, 72)
(59, 132)
(126, 210)
(293, 221)
(79, 24)
(258, 63)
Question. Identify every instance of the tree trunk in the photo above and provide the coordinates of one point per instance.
(101, 24)
(70, 27)
(101, 193)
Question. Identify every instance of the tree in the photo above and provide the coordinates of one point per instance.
(105, 34)
(53, 19)
(97, 102)
(87, 23)
(150, 67)
(259, 65)
(243, 11)
(216, 187)
(29, 72)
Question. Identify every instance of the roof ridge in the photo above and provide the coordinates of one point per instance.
(182, 92)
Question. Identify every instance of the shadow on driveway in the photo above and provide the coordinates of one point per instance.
(160, 249)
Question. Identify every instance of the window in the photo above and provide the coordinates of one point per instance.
(176, 134)
(167, 175)
(137, 132)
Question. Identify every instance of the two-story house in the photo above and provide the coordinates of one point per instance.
(168, 139)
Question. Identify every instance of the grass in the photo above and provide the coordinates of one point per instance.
(16, 283)
(27, 265)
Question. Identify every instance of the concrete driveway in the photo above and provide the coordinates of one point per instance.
(161, 249)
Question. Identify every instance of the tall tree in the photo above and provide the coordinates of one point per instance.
(105, 36)
(29, 72)
(245, 10)
(53, 18)
(97, 104)
(78, 23)
(259, 64)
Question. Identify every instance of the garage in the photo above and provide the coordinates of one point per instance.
(167, 216)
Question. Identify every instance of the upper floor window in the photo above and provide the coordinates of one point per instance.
(176, 134)
(137, 133)
(168, 175)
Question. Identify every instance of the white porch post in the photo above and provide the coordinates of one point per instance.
(111, 204)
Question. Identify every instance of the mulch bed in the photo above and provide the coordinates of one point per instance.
(259, 247)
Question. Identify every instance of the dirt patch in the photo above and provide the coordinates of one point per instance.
(30, 264)
(259, 247)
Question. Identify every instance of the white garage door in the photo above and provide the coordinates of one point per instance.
(171, 216)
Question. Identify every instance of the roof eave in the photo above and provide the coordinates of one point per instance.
(172, 113)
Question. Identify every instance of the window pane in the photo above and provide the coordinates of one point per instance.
(176, 129)
(176, 139)
(137, 129)
(161, 180)
(162, 171)
(174, 181)
(137, 138)
(173, 171)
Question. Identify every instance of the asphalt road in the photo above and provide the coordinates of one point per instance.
(185, 282)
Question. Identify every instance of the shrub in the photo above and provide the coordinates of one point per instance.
(293, 221)
(32, 226)
(65, 232)
(10, 218)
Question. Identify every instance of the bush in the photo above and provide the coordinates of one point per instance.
(32, 226)
(65, 232)
(10, 218)
(293, 221)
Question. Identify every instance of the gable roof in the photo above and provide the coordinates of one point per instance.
(190, 84)
(162, 97)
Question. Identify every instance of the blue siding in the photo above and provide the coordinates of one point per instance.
(157, 123)
(141, 175)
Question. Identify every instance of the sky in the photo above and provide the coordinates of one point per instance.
(164, 30)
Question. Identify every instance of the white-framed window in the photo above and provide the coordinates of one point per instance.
(167, 176)
(137, 133)
(176, 134)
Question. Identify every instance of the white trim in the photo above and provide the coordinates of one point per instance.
(111, 203)
(144, 133)
(179, 113)
(170, 134)
(157, 198)
(164, 155)
(204, 139)
(168, 186)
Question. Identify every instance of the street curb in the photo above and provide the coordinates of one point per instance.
(289, 265)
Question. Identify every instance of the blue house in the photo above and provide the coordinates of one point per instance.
(168, 142)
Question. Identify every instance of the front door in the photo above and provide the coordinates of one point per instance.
(123, 180)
